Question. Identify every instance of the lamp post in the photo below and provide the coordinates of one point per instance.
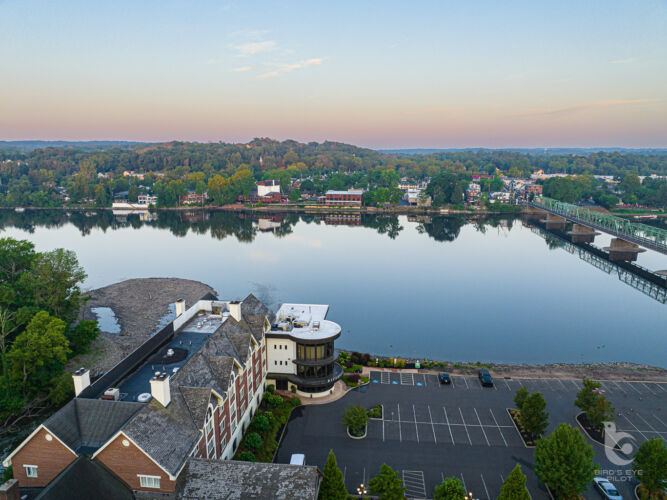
(361, 490)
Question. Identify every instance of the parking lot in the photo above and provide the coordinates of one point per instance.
(431, 431)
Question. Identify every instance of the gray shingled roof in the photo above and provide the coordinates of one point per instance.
(197, 399)
(255, 323)
(197, 372)
(232, 480)
(222, 366)
(168, 434)
(90, 422)
(252, 305)
(86, 479)
(241, 343)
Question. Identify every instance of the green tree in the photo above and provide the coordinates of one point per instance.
(520, 397)
(600, 412)
(246, 456)
(295, 196)
(260, 423)
(356, 418)
(82, 335)
(650, 466)
(564, 462)
(387, 484)
(451, 488)
(630, 184)
(253, 441)
(496, 183)
(514, 487)
(38, 353)
(533, 416)
(333, 484)
(587, 394)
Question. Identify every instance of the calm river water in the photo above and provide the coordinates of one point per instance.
(443, 288)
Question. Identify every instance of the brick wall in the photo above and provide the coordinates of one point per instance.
(128, 461)
(50, 457)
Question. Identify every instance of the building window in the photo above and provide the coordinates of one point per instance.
(223, 443)
(222, 427)
(149, 481)
(30, 470)
(275, 346)
(209, 422)
(210, 448)
(275, 363)
(241, 393)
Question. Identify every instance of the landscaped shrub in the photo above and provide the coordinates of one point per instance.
(294, 401)
(271, 389)
(356, 418)
(272, 400)
(293, 389)
(357, 368)
(252, 441)
(353, 378)
(246, 456)
(260, 423)
(375, 412)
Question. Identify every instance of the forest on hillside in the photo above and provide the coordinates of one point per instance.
(40, 176)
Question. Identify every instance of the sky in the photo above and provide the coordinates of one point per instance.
(380, 74)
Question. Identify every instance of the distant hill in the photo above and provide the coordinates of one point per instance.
(83, 145)
(531, 151)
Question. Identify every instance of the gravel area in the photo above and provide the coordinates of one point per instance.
(139, 305)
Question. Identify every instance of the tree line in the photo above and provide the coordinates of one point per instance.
(40, 298)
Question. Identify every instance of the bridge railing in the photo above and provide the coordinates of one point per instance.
(653, 237)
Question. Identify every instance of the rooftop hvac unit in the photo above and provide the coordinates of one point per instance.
(113, 392)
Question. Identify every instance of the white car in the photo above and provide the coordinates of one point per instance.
(607, 489)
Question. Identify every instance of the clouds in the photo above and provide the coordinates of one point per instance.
(586, 106)
(287, 68)
(242, 69)
(629, 60)
(253, 48)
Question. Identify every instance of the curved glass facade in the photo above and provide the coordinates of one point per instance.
(310, 371)
(316, 352)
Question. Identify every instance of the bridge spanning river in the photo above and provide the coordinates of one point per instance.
(641, 234)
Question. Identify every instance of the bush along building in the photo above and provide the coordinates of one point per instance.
(180, 403)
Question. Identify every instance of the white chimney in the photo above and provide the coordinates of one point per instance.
(81, 380)
(160, 388)
(180, 307)
(235, 309)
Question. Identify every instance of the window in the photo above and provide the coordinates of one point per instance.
(149, 481)
(241, 393)
(209, 422)
(275, 363)
(223, 443)
(30, 470)
(210, 451)
(275, 346)
(222, 427)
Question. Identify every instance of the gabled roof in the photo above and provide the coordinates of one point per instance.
(222, 366)
(89, 423)
(252, 305)
(232, 480)
(197, 372)
(241, 343)
(86, 479)
(197, 399)
(255, 323)
(168, 434)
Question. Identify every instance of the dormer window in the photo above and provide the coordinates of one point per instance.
(209, 421)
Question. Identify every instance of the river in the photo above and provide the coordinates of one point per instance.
(446, 288)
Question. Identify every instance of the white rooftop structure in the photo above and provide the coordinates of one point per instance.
(305, 322)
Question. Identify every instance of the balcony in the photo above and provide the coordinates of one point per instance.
(310, 381)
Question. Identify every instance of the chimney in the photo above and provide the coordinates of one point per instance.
(9, 490)
(81, 380)
(160, 388)
(180, 307)
(235, 309)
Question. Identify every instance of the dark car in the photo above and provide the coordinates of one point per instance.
(485, 378)
(445, 378)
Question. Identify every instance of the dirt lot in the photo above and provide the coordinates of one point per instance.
(138, 305)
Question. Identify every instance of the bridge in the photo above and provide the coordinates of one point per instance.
(638, 277)
(640, 234)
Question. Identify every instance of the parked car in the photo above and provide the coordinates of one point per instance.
(485, 378)
(606, 489)
(445, 378)
(298, 459)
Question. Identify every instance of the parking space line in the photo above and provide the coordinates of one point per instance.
(344, 472)
(633, 425)
(452, 379)
(465, 427)
(449, 426)
(464, 482)
(414, 414)
(383, 429)
(487, 491)
(414, 483)
(508, 386)
(659, 386)
(400, 436)
(575, 384)
(651, 427)
(658, 419)
(620, 388)
(480, 424)
(501, 432)
(562, 384)
(648, 389)
(466, 381)
(432, 426)
(632, 387)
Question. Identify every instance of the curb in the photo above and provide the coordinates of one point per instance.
(357, 437)
(517, 430)
(381, 416)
